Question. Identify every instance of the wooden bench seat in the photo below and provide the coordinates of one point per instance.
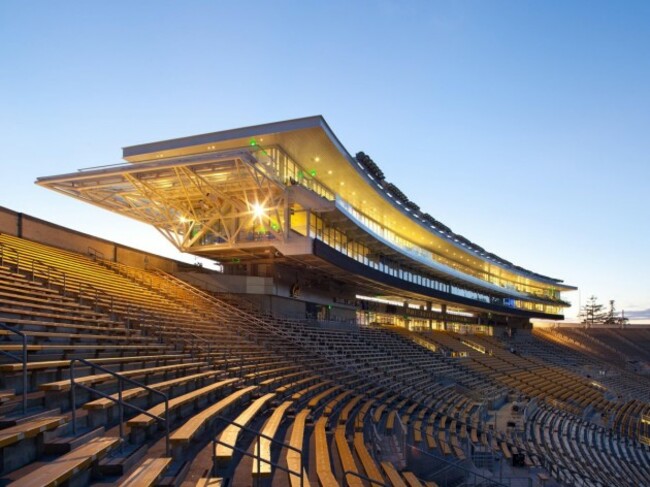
(263, 445)
(430, 439)
(392, 474)
(142, 420)
(316, 400)
(29, 429)
(72, 309)
(378, 412)
(16, 283)
(361, 417)
(231, 433)
(64, 385)
(281, 379)
(66, 346)
(58, 471)
(6, 396)
(59, 364)
(349, 406)
(417, 431)
(210, 482)
(80, 336)
(390, 421)
(331, 406)
(25, 296)
(326, 477)
(345, 455)
(455, 445)
(296, 441)
(263, 373)
(442, 440)
(108, 326)
(64, 315)
(147, 473)
(369, 465)
(305, 392)
(129, 394)
(295, 384)
(195, 424)
(412, 480)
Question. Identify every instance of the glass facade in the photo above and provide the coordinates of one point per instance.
(276, 164)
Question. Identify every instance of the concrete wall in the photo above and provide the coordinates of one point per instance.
(8, 221)
(37, 230)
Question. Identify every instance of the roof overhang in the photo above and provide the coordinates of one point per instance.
(311, 143)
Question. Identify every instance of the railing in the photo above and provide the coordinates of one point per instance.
(197, 338)
(119, 401)
(48, 277)
(457, 464)
(223, 304)
(256, 456)
(97, 293)
(5, 249)
(32, 267)
(95, 254)
(148, 279)
(22, 359)
(42, 270)
(137, 275)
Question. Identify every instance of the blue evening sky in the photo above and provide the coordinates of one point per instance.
(523, 125)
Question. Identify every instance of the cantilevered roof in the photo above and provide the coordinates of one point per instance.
(311, 142)
(313, 145)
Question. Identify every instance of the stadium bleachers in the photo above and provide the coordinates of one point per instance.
(136, 377)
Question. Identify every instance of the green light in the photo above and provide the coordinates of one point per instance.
(252, 142)
(235, 260)
(275, 226)
(300, 175)
(313, 172)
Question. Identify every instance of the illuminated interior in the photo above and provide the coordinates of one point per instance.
(272, 190)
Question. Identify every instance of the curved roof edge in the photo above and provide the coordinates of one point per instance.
(318, 121)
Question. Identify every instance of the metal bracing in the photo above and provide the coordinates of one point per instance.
(197, 203)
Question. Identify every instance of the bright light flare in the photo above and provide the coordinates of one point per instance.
(258, 210)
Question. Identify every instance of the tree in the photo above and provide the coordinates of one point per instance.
(593, 313)
(610, 319)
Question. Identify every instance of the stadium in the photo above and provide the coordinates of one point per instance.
(346, 337)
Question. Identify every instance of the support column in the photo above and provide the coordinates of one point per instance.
(444, 316)
(287, 216)
(308, 223)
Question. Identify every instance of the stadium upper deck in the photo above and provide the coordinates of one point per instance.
(289, 193)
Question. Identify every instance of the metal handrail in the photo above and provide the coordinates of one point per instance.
(97, 293)
(119, 400)
(450, 464)
(198, 337)
(212, 299)
(95, 254)
(2, 254)
(49, 273)
(458, 464)
(33, 261)
(22, 359)
(546, 462)
(256, 456)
